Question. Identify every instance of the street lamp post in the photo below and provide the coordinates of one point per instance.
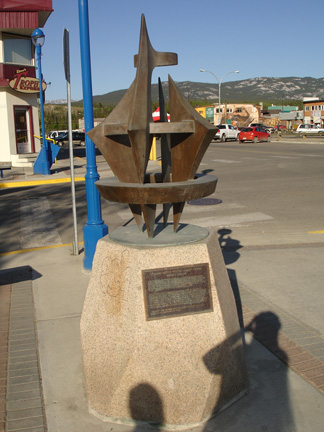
(38, 39)
(94, 229)
(219, 88)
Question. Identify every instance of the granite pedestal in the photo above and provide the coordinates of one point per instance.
(160, 334)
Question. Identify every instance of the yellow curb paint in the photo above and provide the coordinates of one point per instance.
(37, 249)
(316, 232)
(38, 182)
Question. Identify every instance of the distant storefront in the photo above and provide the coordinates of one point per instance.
(314, 111)
(19, 87)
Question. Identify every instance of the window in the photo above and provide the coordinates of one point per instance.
(306, 108)
(17, 50)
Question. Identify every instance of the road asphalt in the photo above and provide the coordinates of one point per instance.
(42, 292)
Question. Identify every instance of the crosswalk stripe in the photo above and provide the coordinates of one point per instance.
(225, 161)
(229, 220)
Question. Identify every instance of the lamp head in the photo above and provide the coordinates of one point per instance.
(237, 71)
(202, 70)
(38, 37)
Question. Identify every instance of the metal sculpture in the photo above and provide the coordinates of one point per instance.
(125, 139)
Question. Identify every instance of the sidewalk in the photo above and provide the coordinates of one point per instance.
(51, 391)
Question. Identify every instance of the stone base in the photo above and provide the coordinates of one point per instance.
(173, 370)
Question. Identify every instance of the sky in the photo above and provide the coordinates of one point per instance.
(277, 38)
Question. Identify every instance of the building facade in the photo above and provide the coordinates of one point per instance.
(314, 111)
(19, 87)
(238, 115)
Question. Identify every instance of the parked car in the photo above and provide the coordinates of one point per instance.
(77, 138)
(56, 133)
(281, 127)
(309, 128)
(225, 132)
(254, 134)
(269, 129)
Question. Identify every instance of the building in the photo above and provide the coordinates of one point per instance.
(237, 114)
(314, 111)
(284, 115)
(207, 112)
(19, 87)
(96, 121)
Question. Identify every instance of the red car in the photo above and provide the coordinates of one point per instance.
(254, 134)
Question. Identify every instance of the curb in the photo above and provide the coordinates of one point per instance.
(18, 184)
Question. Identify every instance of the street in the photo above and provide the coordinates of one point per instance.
(270, 192)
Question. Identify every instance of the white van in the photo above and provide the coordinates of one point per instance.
(309, 128)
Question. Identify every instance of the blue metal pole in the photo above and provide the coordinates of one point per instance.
(45, 164)
(94, 229)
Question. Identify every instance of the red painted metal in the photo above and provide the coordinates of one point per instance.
(20, 14)
(25, 6)
(18, 20)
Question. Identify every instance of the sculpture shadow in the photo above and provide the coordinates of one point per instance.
(146, 408)
(230, 247)
(266, 407)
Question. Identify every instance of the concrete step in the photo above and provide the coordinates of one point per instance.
(23, 160)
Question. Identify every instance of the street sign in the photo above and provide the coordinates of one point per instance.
(66, 61)
(66, 54)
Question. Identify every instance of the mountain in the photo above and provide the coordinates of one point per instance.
(254, 90)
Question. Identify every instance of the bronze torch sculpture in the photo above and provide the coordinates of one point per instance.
(125, 139)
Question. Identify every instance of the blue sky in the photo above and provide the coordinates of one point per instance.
(260, 38)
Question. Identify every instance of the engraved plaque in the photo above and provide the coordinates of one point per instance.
(175, 291)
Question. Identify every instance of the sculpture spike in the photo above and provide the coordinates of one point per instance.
(149, 217)
(137, 213)
(177, 212)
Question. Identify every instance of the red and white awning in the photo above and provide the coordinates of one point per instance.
(156, 115)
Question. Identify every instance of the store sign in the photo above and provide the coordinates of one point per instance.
(25, 84)
(210, 113)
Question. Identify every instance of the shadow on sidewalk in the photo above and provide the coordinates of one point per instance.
(230, 252)
(266, 407)
(18, 274)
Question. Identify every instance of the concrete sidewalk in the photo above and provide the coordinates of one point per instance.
(52, 393)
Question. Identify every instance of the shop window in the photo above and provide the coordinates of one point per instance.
(17, 50)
